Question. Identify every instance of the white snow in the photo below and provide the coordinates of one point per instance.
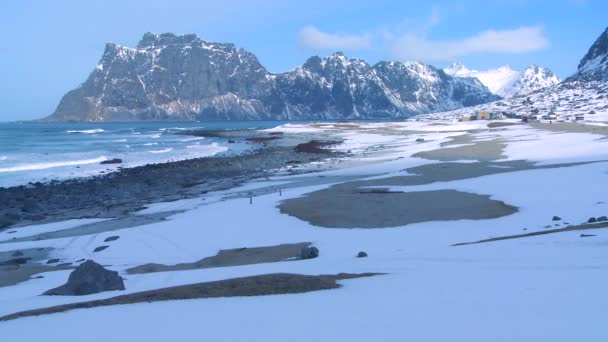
(543, 288)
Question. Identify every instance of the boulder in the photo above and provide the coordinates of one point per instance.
(557, 218)
(592, 220)
(88, 278)
(111, 238)
(309, 252)
(602, 219)
(362, 255)
(112, 161)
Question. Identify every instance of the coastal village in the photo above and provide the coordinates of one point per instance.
(488, 115)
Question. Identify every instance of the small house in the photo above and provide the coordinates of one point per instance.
(483, 115)
(468, 118)
(579, 117)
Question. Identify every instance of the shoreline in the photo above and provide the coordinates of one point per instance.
(127, 190)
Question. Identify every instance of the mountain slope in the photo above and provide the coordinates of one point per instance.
(584, 93)
(507, 82)
(182, 77)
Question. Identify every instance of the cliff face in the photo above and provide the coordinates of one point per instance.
(171, 77)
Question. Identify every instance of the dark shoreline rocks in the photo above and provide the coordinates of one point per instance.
(111, 161)
(130, 189)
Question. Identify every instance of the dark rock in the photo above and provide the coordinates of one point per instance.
(89, 278)
(309, 252)
(16, 261)
(6, 221)
(316, 146)
(420, 140)
(100, 248)
(587, 235)
(53, 261)
(230, 141)
(17, 254)
(592, 220)
(111, 238)
(38, 277)
(557, 218)
(80, 260)
(362, 255)
(112, 161)
(602, 219)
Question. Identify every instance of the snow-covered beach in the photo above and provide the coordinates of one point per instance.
(549, 175)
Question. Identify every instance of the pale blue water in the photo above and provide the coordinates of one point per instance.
(31, 152)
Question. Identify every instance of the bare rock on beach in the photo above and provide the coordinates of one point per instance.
(89, 278)
(112, 161)
(309, 253)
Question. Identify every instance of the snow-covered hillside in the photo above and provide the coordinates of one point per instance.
(507, 82)
(584, 93)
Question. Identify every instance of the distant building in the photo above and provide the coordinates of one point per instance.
(579, 117)
(482, 115)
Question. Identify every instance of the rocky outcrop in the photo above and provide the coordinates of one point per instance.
(89, 278)
(594, 65)
(182, 77)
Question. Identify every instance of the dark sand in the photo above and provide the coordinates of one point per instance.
(351, 205)
(485, 150)
(540, 232)
(375, 209)
(128, 221)
(20, 265)
(231, 257)
(572, 127)
(261, 285)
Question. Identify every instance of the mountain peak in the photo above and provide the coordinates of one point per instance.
(506, 82)
(154, 40)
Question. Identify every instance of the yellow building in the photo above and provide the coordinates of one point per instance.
(483, 115)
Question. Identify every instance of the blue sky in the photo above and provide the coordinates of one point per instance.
(50, 47)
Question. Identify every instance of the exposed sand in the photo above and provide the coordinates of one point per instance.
(351, 205)
(540, 232)
(260, 285)
(129, 221)
(17, 266)
(377, 209)
(485, 150)
(231, 257)
(572, 127)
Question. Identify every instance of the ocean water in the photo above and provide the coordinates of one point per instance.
(32, 152)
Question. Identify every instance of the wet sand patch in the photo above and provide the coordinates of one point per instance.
(231, 257)
(260, 285)
(572, 127)
(17, 266)
(486, 150)
(377, 209)
(350, 204)
(129, 221)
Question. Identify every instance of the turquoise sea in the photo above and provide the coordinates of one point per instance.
(31, 152)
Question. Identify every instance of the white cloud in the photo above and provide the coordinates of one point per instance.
(311, 38)
(411, 46)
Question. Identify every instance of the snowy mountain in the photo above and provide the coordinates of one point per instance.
(584, 93)
(594, 66)
(182, 77)
(507, 82)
